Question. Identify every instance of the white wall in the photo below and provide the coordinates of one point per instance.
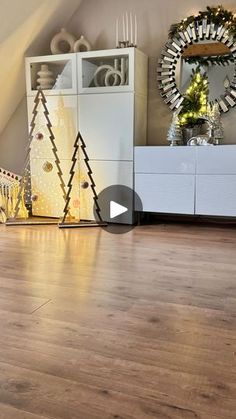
(96, 20)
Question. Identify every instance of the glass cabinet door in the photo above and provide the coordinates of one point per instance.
(106, 71)
(54, 74)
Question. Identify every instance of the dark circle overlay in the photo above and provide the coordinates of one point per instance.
(120, 195)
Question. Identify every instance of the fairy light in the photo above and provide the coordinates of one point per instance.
(40, 189)
(217, 15)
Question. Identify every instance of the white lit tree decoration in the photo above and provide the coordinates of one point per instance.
(175, 132)
(25, 194)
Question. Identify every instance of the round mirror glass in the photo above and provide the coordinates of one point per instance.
(208, 41)
(215, 59)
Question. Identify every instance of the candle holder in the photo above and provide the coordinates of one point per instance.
(125, 44)
(127, 25)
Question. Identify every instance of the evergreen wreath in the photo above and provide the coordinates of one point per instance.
(217, 15)
(223, 60)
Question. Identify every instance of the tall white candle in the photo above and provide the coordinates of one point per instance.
(131, 27)
(127, 27)
(117, 32)
(135, 30)
(123, 21)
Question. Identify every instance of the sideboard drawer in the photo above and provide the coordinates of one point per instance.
(169, 160)
(216, 195)
(216, 160)
(166, 193)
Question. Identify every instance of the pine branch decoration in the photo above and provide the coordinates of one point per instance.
(216, 15)
(194, 105)
(25, 183)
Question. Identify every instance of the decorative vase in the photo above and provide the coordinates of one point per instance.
(45, 80)
(189, 132)
(61, 40)
(82, 45)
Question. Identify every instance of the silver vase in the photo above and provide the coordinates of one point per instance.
(190, 132)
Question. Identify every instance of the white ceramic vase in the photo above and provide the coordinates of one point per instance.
(82, 45)
(61, 39)
(45, 80)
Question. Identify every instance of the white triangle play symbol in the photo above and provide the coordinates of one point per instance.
(116, 209)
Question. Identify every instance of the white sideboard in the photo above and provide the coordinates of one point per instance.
(187, 180)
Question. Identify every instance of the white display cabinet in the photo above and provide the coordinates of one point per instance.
(112, 115)
(107, 125)
(55, 74)
(112, 119)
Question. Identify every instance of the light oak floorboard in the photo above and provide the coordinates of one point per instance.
(134, 326)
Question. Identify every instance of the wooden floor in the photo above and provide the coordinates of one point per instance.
(140, 325)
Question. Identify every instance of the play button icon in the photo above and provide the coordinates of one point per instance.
(118, 207)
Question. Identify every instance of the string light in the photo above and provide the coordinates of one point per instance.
(215, 15)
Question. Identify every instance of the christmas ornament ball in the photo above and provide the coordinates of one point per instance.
(39, 136)
(84, 184)
(47, 167)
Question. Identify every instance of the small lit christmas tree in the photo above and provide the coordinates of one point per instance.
(194, 105)
(175, 132)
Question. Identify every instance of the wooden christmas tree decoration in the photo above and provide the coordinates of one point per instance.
(68, 220)
(175, 132)
(25, 195)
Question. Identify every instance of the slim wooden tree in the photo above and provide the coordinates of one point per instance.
(25, 190)
(66, 220)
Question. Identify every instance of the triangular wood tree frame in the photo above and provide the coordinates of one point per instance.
(9, 185)
(25, 180)
(79, 142)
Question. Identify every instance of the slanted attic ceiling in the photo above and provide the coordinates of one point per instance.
(26, 29)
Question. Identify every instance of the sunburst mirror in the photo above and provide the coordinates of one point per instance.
(208, 41)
